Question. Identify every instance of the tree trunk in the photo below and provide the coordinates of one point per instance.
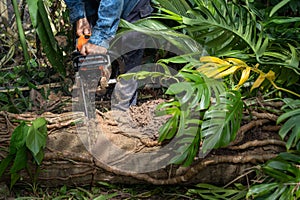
(75, 157)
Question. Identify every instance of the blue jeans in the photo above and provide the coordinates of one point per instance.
(125, 92)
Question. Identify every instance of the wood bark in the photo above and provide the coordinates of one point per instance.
(68, 162)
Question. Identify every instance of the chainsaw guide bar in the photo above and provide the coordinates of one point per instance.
(92, 75)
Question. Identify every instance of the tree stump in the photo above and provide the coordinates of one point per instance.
(74, 156)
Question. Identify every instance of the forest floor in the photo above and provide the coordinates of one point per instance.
(104, 191)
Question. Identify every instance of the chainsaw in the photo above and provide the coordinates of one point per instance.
(92, 73)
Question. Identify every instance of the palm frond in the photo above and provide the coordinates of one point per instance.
(160, 32)
(229, 21)
(179, 7)
(229, 29)
(281, 181)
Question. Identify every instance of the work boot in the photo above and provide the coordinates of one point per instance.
(124, 94)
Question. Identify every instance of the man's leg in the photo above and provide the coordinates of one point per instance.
(125, 92)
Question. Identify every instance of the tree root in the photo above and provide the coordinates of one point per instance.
(247, 127)
(269, 116)
(193, 170)
(92, 168)
(256, 143)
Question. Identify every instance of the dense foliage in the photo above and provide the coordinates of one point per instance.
(253, 48)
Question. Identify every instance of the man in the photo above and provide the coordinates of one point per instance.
(101, 20)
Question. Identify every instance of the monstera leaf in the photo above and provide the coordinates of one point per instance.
(222, 121)
(291, 128)
(191, 97)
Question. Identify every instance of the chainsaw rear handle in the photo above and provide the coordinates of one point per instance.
(91, 61)
(82, 40)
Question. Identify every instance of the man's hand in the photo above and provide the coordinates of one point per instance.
(89, 48)
(83, 27)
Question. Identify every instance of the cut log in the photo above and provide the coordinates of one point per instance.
(122, 148)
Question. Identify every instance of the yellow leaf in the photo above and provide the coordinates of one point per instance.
(213, 60)
(236, 61)
(270, 75)
(211, 73)
(231, 70)
(258, 81)
(245, 76)
(212, 69)
(207, 66)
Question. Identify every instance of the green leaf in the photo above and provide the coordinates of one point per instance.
(290, 103)
(285, 20)
(40, 21)
(222, 121)
(168, 130)
(4, 163)
(261, 189)
(18, 138)
(294, 61)
(37, 135)
(45, 20)
(227, 28)
(20, 161)
(262, 48)
(156, 29)
(39, 157)
(166, 108)
(178, 88)
(21, 33)
(291, 126)
(179, 7)
(33, 10)
(281, 176)
(207, 191)
(107, 196)
(287, 194)
(283, 172)
(290, 157)
(202, 97)
(282, 166)
(176, 59)
(288, 115)
(190, 97)
(277, 193)
(181, 157)
(191, 75)
(13, 179)
(193, 145)
(278, 6)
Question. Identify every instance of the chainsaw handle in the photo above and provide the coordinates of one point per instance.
(82, 40)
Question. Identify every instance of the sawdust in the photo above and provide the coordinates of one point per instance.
(135, 129)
